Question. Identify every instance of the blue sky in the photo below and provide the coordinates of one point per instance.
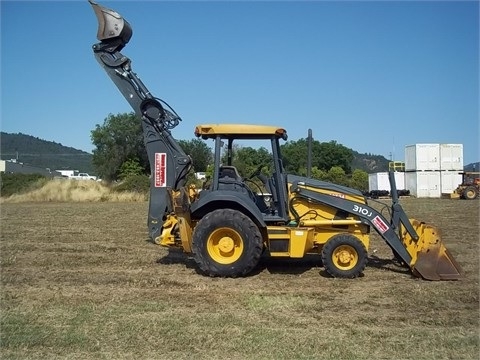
(374, 76)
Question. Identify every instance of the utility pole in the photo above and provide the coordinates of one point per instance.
(309, 153)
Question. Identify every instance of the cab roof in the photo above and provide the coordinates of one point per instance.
(239, 131)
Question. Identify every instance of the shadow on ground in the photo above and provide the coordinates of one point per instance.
(284, 265)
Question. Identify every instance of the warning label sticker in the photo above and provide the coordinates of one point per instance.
(160, 169)
(380, 224)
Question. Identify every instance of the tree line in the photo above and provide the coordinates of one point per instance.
(120, 152)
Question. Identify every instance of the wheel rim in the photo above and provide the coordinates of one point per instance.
(225, 245)
(470, 194)
(345, 257)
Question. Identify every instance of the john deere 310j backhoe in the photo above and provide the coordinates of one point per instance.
(227, 226)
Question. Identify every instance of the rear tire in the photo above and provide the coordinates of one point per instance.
(470, 193)
(344, 256)
(226, 243)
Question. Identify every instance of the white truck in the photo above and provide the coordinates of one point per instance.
(83, 176)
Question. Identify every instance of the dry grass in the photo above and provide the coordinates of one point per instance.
(60, 190)
(80, 281)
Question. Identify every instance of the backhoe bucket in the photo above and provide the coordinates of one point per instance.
(431, 260)
(111, 25)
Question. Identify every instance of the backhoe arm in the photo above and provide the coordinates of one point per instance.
(169, 164)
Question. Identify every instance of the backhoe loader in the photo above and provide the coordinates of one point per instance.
(227, 226)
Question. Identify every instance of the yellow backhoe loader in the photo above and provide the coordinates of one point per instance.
(228, 225)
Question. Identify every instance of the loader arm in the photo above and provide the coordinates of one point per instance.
(365, 212)
(415, 244)
(169, 164)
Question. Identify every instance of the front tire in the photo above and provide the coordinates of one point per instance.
(470, 193)
(226, 243)
(344, 256)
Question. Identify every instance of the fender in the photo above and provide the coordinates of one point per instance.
(210, 200)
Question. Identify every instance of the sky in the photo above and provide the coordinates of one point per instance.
(374, 76)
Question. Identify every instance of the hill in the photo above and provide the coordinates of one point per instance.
(369, 163)
(31, 150)
(48, 154)
(473, 167)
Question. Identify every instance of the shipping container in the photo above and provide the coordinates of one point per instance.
(422, 157)
(451, 157)
(379, 181)
(449, 181)
(423, 184)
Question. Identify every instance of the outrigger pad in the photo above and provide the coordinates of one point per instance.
(111, 25)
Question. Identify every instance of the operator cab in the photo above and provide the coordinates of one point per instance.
(266, 187)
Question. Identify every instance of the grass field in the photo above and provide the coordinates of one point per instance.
(79, 280)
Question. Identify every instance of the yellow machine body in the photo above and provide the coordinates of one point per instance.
(428, 256)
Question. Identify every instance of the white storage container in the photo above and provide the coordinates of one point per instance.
(422, 157)
(449, 181)
(379, 181)
(423, 184)
(451, 157)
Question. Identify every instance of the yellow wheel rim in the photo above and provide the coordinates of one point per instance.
(225, 246)
(470, 194)
(345, 257)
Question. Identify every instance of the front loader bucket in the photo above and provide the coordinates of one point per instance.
(431, 260)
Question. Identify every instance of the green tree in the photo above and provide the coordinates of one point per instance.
(331, 154)
(359, 180)
(324, 156)
(131, 167)
(248, 159)
(294, 155)
(318, 174)
(200, 153)
(337, 176)
(119, 139)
